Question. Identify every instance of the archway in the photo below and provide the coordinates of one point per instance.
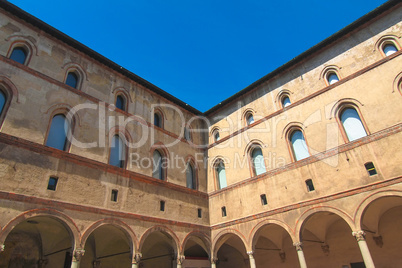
(195, 250)
(41, 241)
(328, 242)
(273, 247)
(107, 246)
(231, 252)
(159, 249)
(382, 221)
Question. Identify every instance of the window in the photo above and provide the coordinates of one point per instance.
(199, 211)
(389, 49)
(113, 196)
(310, 185)
(263, 199)
(221, 174)
(257, 160)
(157, 120)
(117, 152)
(52, 183)
(58, 133)
(158, 166)
(352, 124)
(249, 118)
(162, 205)
(120, 103)
(3, 100)
(332, 78)
(285, 101)
(370, 168)
(299, 145)
(72, 80)
(216, 135)
(190, 177)
(223, 211)
(187, 134)
(19, 54)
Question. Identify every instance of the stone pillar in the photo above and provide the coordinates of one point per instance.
(300, 254)
(213, 262)
(135, 263)
(251, 258)
(77, 255)
(180, 260)
(368, 261)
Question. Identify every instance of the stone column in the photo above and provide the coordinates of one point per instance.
(180, 260)
(77, 255)
(368, 261)
(213, 262)
(135, 263)
(300, 254)
(252, 260)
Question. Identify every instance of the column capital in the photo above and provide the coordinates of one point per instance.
(250, 253)
(137, 258)
(77, 255)
(2, 247)
(298, 246)
(180, 259)
(214, 260)
(359, 235)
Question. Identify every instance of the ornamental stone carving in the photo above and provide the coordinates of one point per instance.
(359, 235)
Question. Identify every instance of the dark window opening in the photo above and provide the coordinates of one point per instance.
(370, 168)
(224, 212)
(114, 195)
(157, 120)
(72, 80)
(310, 185)
(52, 184)
(263, 199)
(120, 103)
(162, 206)
(199, 213)
(19, 55)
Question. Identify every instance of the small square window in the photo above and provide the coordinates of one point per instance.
(223, 211)
(199, 213)
(162, 206)
(263, 200)
(114, 195)
(310, 185)
(370, 168)
(52, 183)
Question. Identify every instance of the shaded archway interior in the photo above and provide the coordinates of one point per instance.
(158, 250)
(231, 252)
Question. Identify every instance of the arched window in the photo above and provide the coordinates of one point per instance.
(257, 160)
(352, 124)
(158, 171)
(216, 135)
(58, 133)
(187, 134)
(190, 177)
(221, 175)
(72, 80)
(157, 120)
(389, 49)
(120, 103)
(3, 100)
(285, 101)
(299, 145)
(332, 78)
(117, 152)
(249, 118)
(19, 54)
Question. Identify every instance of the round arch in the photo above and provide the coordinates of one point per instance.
(361, 208)
(116, 223)
(219, 240)
(254, 232)
(204, 238)
(164, 230)
(65, 220)
(310, 212)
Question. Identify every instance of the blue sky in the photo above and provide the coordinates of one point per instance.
(202, 52)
